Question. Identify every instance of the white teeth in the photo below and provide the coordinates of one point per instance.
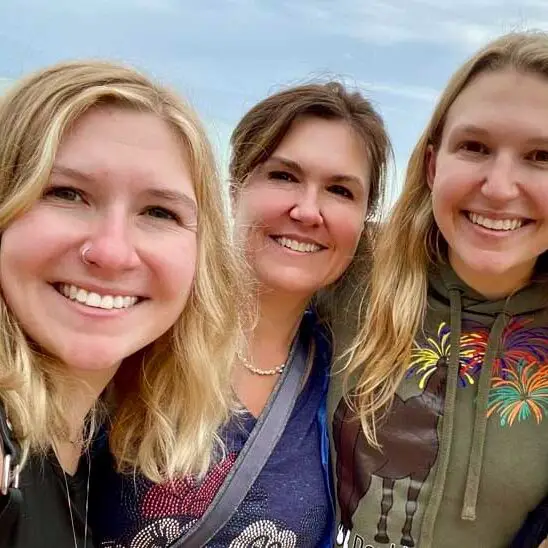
(107, 302)
(81, 296)
(495, 224)
(94, 299)
(303, 247)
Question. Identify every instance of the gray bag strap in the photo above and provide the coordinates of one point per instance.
(256, 451)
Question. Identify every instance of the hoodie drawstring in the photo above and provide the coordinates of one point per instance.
(446, 436)
(480, 424)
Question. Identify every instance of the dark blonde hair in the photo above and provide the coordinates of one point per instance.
(412, 242)
(167, 424)
(263, 128)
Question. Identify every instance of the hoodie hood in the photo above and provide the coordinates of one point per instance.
(532, 298)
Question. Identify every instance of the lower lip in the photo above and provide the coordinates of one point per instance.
(296, 253)
(92, 311)
(484, 231)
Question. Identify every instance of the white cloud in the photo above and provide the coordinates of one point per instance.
(416, 93)
(67, 7)
(465, 24)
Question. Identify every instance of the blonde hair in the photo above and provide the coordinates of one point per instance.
(165, 421)
(411, 243)
(261, 131)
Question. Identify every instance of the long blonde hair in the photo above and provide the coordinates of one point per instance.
(165, 421)
(263, 128)
(411, 243)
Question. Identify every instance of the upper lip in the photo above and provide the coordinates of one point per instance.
(102, 290)
(498, 215)
(298, 238)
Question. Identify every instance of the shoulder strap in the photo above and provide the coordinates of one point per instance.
(256, 451)
(11, 497)
(11, 454)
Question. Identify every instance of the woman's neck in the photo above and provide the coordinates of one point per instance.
(84, 389)
(278, 321)
(269, 341)
(494, 286)
(82, 392)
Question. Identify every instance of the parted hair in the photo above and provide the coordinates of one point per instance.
(261, 131)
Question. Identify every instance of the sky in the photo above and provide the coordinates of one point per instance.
(225, 55)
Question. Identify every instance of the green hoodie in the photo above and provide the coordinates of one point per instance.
(465, 445)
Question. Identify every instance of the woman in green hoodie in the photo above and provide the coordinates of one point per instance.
(439, 423)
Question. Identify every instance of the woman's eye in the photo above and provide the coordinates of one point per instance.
(66, 193)
(162, 213)
(474, 146)
(341, 191)
(282, 176)
(539, 156)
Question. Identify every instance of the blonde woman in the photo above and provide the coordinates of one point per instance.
(113, 246)
(307, 170)
(449, 376)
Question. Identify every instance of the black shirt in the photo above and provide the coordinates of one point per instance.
(43, 519)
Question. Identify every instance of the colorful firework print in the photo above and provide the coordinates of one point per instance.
(522, 393)
(521, 344)
(519, 385)
(428, 356)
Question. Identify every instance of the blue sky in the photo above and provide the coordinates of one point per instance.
(225, 55)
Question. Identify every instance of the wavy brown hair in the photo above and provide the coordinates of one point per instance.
(261, 131)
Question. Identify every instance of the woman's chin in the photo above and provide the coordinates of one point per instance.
(90, 361)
